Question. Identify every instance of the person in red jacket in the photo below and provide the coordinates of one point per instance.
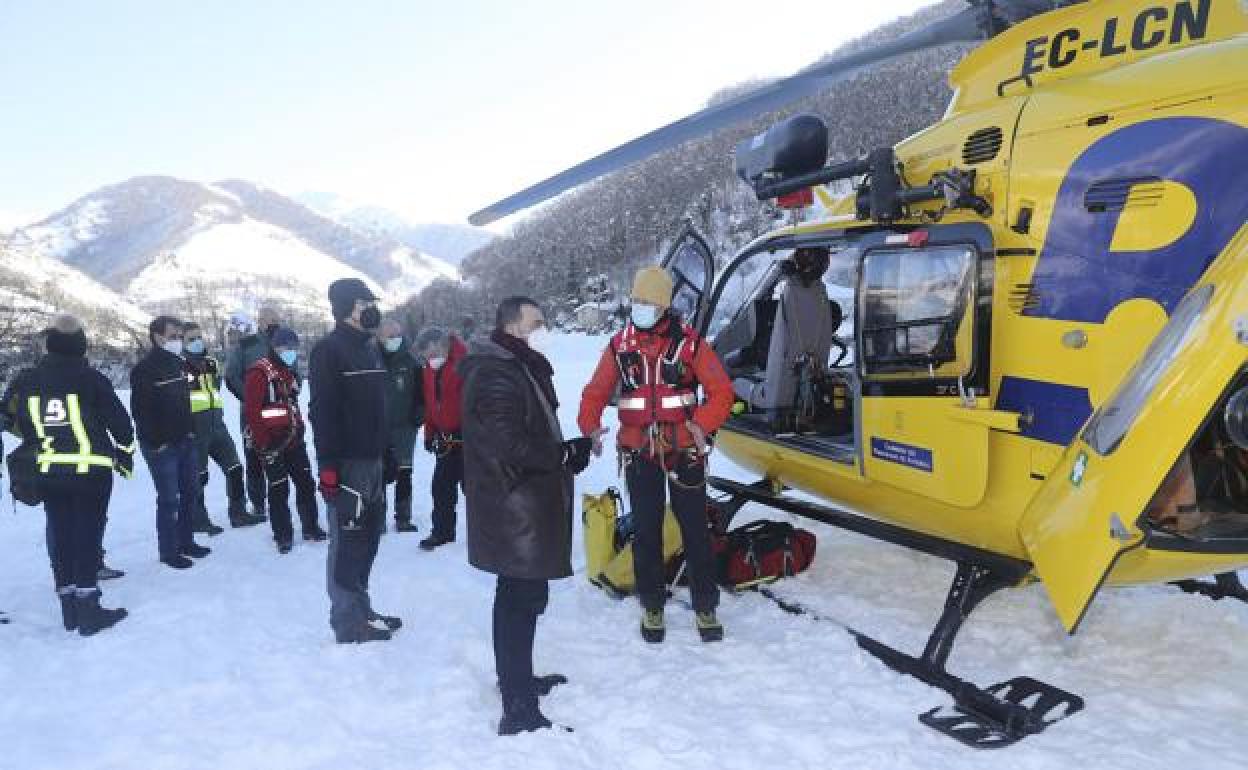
(275, 429)
(443, 437)
(660, 363)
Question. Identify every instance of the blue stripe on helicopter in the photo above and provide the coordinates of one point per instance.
(1078, 278)
(1052, 412)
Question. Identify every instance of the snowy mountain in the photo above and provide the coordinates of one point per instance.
(34, 288)
(168, 244)
(449, 241)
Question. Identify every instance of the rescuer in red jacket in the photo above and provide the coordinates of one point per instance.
(443, 430)
(660, 363)
(275, 428)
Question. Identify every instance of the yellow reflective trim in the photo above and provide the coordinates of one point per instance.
(80, 431)
(128, 448)
(35, 408)
(83, 461)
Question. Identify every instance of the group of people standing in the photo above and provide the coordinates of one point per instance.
(490, 416)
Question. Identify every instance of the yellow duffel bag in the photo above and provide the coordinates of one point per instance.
(608, 552)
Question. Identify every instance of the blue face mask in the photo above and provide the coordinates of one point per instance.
(645, 316)
(195, 347)
(288, 356)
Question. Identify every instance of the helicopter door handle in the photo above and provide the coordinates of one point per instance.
(989, 418)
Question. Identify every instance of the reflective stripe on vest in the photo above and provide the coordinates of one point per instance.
(676, 402)
(204, 395)
(72, 412)
(280, 411)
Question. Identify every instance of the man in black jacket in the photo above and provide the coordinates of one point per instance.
(160, 402)
(78, 433)
(518, 483)
(348, 415)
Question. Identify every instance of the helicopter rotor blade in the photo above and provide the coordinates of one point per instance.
(969, 25)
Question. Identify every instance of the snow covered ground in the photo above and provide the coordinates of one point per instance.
(232, 664)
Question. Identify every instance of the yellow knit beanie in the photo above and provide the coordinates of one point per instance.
(653, 286)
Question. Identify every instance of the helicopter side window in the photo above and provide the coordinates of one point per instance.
(688, 271)
(913, 311)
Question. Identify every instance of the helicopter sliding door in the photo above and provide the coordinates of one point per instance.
(923, 306)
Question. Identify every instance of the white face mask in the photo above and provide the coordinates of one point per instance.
(540, 339)
(645, 316)
(437, 362)
(392, 344)
(173, 346)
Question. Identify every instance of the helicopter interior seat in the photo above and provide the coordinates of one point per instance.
(752, 357)
(804, 329)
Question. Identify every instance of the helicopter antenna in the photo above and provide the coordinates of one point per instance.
(982, 20)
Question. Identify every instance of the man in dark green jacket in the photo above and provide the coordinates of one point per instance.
(405, 408)
(250, 348)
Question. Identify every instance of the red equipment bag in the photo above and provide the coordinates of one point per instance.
(763, 551)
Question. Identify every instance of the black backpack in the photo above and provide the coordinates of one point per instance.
(23, 475)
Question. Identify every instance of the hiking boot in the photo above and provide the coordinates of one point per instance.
(652, 627)
(93, 618)
(196, 551)
(433, 541)
(391, 622)
(69, 607)
(709, 627)
(177, 561)
(364, 633)
(405, 526)
(315, 534)
(283, 546)
(106, 572)
(522, 715)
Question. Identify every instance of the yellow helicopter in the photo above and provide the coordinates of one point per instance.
(1046, 374)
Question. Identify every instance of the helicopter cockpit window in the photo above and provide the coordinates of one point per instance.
(688, 271)
(913, 311)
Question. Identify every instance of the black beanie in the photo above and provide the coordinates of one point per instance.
(344, 292)
(66, 337)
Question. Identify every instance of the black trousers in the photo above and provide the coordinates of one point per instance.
(647, 484)
(448, 476)
(76, 507)
(257, 490)
(517, 604)
(283, 469)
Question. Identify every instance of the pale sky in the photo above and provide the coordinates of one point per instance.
(432, 109)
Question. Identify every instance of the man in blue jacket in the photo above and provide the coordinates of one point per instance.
(160, 403)
(348, 414)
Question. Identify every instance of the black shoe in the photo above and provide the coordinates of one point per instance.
(196, 551)
(69, 609)
(283, 546)
(93, 618)
(4, 619)
(365, 633)
(177, 561)
(391, 622)
(522, 715)
(106, 572)
(433, 541)
(207, 528)
(315, 535)
(542, 685)
(405, 526)
(239, 517)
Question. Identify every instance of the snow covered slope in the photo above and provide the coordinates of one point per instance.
(232, 664)
(38, 287)
(161, 240)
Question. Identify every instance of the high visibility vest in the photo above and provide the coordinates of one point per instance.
(205, 391)
(656, 390)
(58, 426)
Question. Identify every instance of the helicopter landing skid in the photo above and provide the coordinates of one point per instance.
(983, 718)
(1225, 585)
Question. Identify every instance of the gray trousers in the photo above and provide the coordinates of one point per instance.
(352, 549)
